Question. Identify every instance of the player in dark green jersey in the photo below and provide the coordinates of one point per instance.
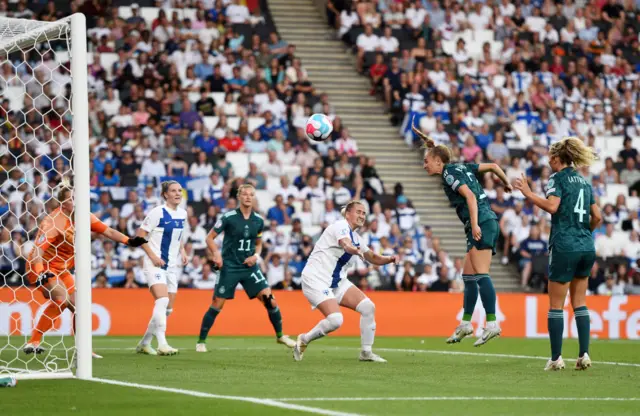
(574, 216)
(237, 262)
(481, 226)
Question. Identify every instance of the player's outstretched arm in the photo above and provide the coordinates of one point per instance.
(550, 204)
(379, 260)
(497, 170)
(346, 245)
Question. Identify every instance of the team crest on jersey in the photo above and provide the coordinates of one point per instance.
(449, 179)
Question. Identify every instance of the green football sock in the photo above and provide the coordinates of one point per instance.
(583, 324)
(207, 322)
(488, 295)
(470, 296)
(276, 320)
(555, 325)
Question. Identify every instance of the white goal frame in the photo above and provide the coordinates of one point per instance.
(76, 29)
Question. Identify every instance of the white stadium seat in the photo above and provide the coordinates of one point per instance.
(265, 200)
(614, 189)
(273, 185)
(240, 163)
(106, 62)
(258, 158)
(255, 122)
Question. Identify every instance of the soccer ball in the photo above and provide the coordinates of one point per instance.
(319, 127)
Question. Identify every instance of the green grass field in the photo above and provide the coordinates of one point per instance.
(256, 376)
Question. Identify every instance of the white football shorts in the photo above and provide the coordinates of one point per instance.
(169, 277)
(317, 291)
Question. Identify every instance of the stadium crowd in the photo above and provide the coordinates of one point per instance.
(211, 97)
(502, 80)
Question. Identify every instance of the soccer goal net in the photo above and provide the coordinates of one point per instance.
(43, 144)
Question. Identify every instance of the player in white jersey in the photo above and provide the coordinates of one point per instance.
(326, 287)
(164, 229)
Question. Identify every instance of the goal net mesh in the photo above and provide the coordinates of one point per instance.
(36, 155)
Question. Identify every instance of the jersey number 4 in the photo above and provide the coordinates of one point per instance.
(579, 208)
(242, 245)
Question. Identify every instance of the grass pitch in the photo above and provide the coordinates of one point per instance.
(256, 376)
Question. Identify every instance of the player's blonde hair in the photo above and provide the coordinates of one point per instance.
(64, 189)
(440, 151)
(164, 187)
(348, 207)
(573, 152)
(245, 186)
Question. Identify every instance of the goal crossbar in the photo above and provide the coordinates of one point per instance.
(17, 34)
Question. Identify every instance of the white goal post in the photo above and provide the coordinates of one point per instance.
(19, 37)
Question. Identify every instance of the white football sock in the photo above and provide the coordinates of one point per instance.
(160, 318)
(148, 336)
(367, 311)
(492, 324)
(329, 324)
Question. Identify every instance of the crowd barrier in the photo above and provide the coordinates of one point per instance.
(127, 312)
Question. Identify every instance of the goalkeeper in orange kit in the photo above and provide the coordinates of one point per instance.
(52, 258)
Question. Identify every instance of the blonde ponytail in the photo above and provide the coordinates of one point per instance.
(441, 151)
(573, 152)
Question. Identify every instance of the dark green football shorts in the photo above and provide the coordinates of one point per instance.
(251, 279)
(564, 267)
(490, 232)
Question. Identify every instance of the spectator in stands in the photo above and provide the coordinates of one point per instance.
(606, 245)
(609, 174)
(630, 175)
(530, 248)
(367, 42)
(280, 213)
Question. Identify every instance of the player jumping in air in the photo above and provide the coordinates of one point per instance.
(53, 257)
(165, 256)
(237, 262)
(326, 287)
(481, 226)
(574, 216)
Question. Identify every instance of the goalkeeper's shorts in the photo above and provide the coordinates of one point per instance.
(64, 279)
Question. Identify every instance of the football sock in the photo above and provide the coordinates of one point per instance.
(276, 320)
(583, 324)
(160, 318)
(555, 325)
(46, 321)
(329, 324)
(488, 295)
(470, 296)
(207, 322)
(367, 311)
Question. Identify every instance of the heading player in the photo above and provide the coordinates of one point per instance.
(162, 267)
(237, 262)
(52, 259)
(326, 287)
(481, 226)
(572, 253)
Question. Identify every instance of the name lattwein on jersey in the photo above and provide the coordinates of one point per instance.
(577, 179)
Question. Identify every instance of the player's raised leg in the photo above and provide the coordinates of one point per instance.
(56, 292)
(333, 319)
(481, 260)
(469, 302)
(354, 299)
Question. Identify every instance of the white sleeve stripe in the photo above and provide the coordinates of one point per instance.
(455, 184)
(550, 190)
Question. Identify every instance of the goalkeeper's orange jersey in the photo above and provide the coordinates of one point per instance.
(56, 238)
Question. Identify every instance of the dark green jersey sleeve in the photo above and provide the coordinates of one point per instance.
(473, 168)
(553, 188)
(220, 224)
(260, 227)
(455, 178)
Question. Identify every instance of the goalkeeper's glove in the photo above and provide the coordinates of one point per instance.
(43, 278)
(136, 241)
